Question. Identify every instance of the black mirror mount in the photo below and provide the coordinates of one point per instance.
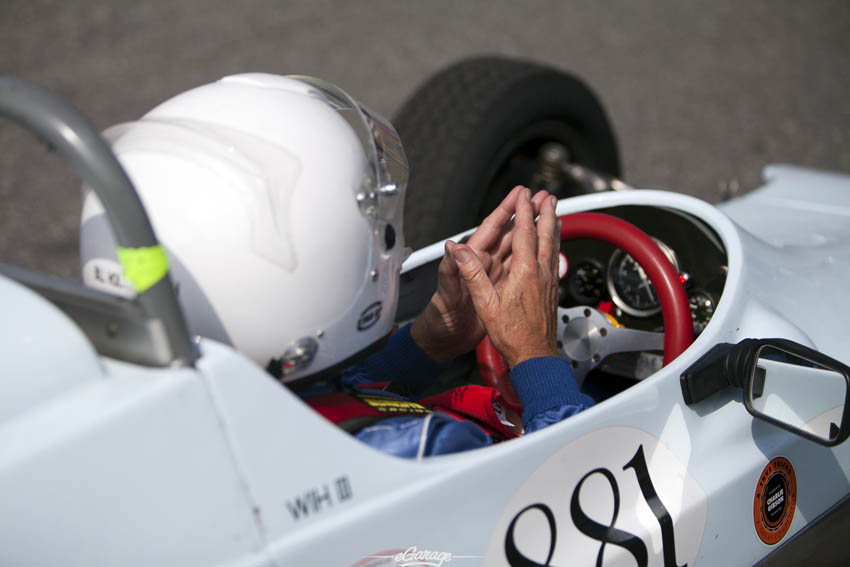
(706, 376)
(724, 365)
(785, 383)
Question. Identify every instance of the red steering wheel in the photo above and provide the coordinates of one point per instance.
(678, 329)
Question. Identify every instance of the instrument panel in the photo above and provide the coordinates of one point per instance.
(604, 276)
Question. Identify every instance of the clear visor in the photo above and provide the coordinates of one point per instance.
(382, 193)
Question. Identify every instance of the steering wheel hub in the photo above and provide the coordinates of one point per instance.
(589, 336)
(580, 338)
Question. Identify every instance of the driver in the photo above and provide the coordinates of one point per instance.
(279, 203)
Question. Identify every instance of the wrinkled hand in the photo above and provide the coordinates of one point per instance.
(519, 312)
(449, 325)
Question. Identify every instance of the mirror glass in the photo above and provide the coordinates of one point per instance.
(798, 392)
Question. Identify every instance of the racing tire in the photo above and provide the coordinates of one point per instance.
(474, 130)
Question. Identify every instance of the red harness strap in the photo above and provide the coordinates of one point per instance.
(479, 404)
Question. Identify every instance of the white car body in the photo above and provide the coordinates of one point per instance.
(105, 462)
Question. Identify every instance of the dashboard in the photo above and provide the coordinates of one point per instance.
(603, 276)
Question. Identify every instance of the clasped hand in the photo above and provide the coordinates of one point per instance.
(502, 282)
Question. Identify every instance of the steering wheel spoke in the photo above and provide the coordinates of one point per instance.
(587, 337)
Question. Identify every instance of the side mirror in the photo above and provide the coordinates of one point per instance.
(785, 383)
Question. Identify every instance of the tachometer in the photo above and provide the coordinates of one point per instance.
(629, 285)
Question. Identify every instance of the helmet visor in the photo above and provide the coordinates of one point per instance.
(382, 195)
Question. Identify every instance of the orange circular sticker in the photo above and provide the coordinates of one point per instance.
(775, 501)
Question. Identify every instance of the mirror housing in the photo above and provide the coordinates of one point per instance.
(785, 383)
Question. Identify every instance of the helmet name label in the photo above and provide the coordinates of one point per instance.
(108, 276)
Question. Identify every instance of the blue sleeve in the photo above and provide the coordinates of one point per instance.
(548, 391)
(403, 436)
(400, 361)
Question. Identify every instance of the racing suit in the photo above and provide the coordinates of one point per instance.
(545, 386)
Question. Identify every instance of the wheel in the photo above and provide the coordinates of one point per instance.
(586, 336)
(478, 128)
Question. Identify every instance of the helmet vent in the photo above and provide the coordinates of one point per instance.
(389, 237)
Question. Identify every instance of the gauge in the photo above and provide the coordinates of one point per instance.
(702, 308)
(586, 281)
(629, 285)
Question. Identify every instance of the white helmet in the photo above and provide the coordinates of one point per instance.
(279, 203)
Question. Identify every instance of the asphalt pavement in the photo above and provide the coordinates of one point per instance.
(702, 94)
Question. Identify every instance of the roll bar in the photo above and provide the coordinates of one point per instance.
(67, 131)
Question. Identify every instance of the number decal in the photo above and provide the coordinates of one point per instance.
(602, 533)
(613, 496)
(605, 534)
(668, 544)
(517, 559)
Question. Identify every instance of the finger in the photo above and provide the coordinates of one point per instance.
(484, 297)
(502, 247)
(502, 272)
(491, 228)
(524, 249)
(547, 241)
(505, 243)
(448, 281)
(539, 200)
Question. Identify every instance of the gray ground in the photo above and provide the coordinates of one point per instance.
(702, 93)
